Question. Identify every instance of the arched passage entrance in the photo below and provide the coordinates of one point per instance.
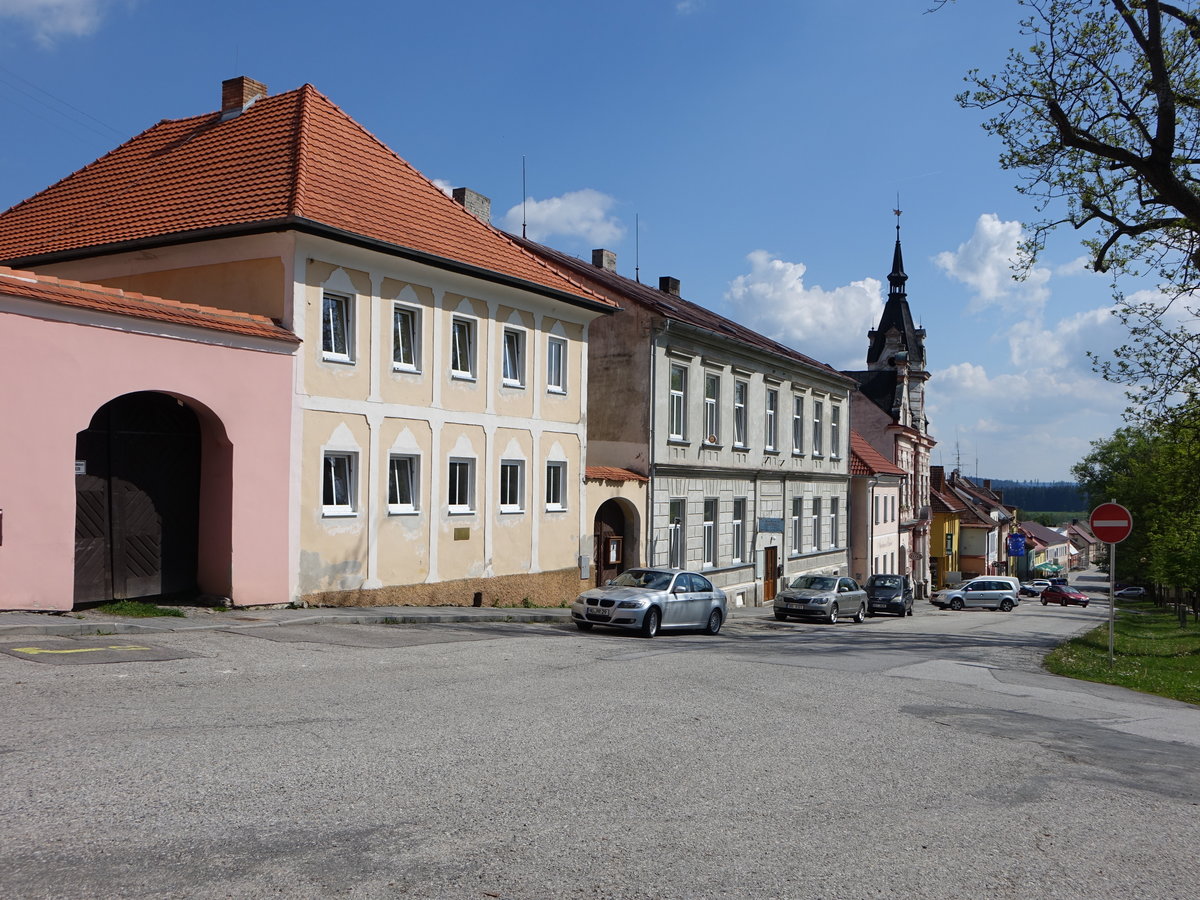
(137, 499)
(615, 530)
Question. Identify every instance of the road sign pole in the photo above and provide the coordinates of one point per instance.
(1112, 598)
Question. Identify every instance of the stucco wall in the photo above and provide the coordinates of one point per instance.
(541, 589)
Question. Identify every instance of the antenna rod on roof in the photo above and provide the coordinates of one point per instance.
(637, 248)
(522, 195)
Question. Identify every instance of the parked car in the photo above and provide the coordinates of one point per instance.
(890, 594)
(649, 599)
(1058, 580)
(1064, 595)
(987, 591)
(1034, 588)
(829, 597)
(1131, 593)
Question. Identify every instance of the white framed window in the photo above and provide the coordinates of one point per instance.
(797, 521)
(512, 485)
(710, 533)
(712, 408)
(875, 503)
(678, 430)
(339, 484)
(834, 524)
(337, 328)
(677, 520)
(740, 389)
(402, 484)
(818, 427)
(772, 424)
(835, 431)
(739, 530)
(556, 486)
(514, 358)
(462, 348)
(460, 494)
(797, 423)
(406, 336)
(816, 523)
(556, 365)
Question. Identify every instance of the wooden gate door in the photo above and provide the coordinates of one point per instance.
(137, 506)
(610, 542)
(770, 580)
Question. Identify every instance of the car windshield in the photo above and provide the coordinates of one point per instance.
(889, 581)
(644, 578)
(815, 582)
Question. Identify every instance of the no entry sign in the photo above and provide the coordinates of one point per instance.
(1111, 522)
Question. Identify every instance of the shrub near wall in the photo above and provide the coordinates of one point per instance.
(544, 589)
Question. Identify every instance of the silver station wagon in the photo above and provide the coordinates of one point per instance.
(647, 600)
(828, 597)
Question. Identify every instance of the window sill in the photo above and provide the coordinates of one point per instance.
(511, 511)
(513, 385)
(338, 358)
(403, 512)
(679, 441)
(770, 451)
(460, 512)
(556, 509)
(407, 370)
(338, 513)
(708, 445)
(462, 376)
(561, 392)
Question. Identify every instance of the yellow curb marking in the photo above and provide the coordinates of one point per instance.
(33, 650)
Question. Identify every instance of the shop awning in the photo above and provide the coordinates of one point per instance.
(1049, 567)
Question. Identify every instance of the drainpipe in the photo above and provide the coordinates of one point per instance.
(868, 561)
(652, 456)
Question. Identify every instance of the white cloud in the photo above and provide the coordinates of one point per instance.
(53, 19)
(1065, 345)
(985, 264)
(687, 7)
(830, 326)
(444, 186)
(578, 214)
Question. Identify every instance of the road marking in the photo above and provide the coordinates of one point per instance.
(33, 650)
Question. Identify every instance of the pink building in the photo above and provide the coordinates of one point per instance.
(147, 454)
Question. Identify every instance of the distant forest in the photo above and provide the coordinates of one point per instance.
(1040, 496)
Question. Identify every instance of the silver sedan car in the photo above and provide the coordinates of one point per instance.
(647, 600)
(827, 597)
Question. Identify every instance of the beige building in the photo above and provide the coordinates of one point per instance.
(439, 396)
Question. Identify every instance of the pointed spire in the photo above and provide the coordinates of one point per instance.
(897, 278)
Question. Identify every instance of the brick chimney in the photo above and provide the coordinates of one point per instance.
(937, 478)
(669, 285)
(604, 259)
(238, 93)
(476, 204)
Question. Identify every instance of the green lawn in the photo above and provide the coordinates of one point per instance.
(1151, 653)
(138, 609)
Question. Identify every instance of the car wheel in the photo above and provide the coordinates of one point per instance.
(780, 616)
(910, 611)
(956, 604)
(1084, 604)
(860, 615)
(714, 622)
(833, 614)
(584, 626)
(1044, 601)
(1006, 605)
(650, 622)
(1062, 602)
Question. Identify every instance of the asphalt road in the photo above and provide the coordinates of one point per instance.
(926, 757)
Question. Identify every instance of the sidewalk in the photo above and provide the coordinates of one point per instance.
(91, 621)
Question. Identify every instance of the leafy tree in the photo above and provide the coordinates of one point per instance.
(1100, 117)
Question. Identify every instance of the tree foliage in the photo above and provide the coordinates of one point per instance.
(1100, 117)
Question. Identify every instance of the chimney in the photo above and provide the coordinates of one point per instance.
(238, 93)
(937, 478)
(987, 484)
(604, 259)
(669, 285)
(476, 204)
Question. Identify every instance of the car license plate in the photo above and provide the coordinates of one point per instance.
(599, 613)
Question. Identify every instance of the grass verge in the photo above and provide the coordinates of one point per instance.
(138, 609)
(1151, 654)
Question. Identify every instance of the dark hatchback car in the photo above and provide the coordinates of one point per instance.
(889, 594)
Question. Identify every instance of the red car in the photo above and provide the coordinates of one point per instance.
(1064, 595)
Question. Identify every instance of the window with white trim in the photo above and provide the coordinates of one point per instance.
(677, 519)
(712, 408)
(514, 358)
(772, 425)
(740, 389)
(739, 530)
(797, 521)
(339, 486)
(835, 431)
(710, 533)
(818, 427)
(876, 505)
(462, 348)
(337, 328)
(556, 486)
(834, 524)
(460, 495)
(678, 413)
(797, 423)
(556, 365)
(402, 484)
(816, 523)
(406, 349)
(512, 485)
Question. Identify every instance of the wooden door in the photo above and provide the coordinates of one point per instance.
(770, 579)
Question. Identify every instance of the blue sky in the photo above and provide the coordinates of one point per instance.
(759, 146)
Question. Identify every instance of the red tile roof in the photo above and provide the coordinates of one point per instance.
(612, 473)
(866, 460)
(32, 286)
(290, 160)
